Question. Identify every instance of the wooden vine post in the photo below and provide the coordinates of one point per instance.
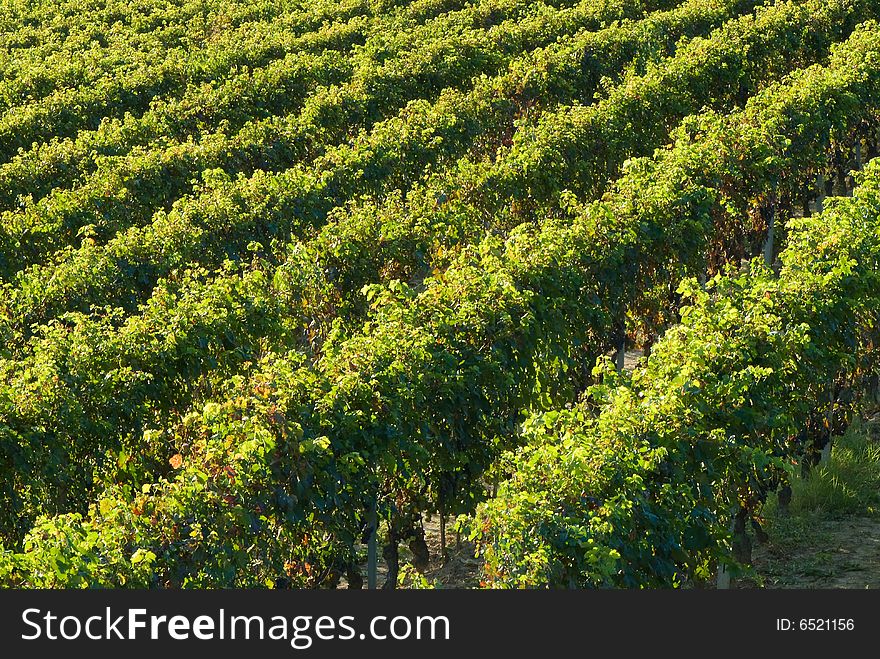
(372, 553)
(620, 357)
(722, 579)
(443, 555)
(771, 232)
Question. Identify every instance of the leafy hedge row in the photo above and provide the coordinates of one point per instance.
(269, 482)
(287, 111)
(230, 214)
(377, 66)
(407, 237)
(126, 66)
(637, 486)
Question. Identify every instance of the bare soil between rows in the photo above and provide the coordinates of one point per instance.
(842, 553)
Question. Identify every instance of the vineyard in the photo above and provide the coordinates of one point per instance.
(283, 282)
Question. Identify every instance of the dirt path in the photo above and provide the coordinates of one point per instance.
(828, 553)
(461, 570)
(835, 553)
(840, 553)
